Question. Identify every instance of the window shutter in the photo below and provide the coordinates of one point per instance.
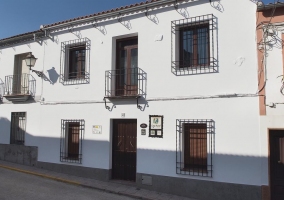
(195, 149)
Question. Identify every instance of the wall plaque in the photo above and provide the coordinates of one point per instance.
(156, 125)
(143, 131)
(97, 129)
(143, 125)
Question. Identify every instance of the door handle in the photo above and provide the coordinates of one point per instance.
(131, 144)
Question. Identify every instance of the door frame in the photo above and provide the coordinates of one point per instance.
(269, 156)
(128, 67)
(111, 145)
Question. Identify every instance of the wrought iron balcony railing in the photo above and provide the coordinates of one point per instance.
(1, 89)
(20, 85)
(128, 82)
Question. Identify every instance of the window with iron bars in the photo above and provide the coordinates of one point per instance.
(18, 128)
(72, 132)
(194, 147)
(75, 60)
(193, 45)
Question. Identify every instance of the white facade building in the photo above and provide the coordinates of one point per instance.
(159, 93)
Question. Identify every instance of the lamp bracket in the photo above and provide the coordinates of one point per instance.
(41, 75)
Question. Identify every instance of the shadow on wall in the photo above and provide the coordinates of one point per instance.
(161, 165)
(53, 75)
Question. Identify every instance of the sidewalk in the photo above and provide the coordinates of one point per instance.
(110, 186)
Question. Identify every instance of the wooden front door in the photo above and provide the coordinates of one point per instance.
(127, 67)
(276, 140)
(124, 149)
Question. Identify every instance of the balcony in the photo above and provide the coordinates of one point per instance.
(19, 87)
(125, 83)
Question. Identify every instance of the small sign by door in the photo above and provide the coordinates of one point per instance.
(97, 129)
(143, 131)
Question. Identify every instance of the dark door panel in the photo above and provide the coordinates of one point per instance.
(124, 149)
(276, 140)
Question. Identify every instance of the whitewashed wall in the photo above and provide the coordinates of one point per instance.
(237, 157)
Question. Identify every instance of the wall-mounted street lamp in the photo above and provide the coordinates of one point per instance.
(30, 60)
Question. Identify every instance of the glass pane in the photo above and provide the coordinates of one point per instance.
(134, 66)
(202, 46)
(77, 63)
(187, 50)
(122, 76)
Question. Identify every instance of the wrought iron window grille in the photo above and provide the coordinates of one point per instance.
(75, 62)
(194, 45)
(194, 147)
(72, 132)
(18, 128)
(20, 84)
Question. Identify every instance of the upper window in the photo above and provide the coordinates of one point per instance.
(193, 49)
(76, 66)
(194, 147)
(194, 46)
(71, 140)
(75, 55)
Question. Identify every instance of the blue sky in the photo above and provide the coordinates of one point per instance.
(20, 16)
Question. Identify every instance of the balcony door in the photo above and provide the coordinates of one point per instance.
(20, 78)
(127, 67)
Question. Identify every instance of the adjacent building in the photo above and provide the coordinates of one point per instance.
(270, 20)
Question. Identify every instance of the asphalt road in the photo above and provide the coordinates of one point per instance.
(20, 186)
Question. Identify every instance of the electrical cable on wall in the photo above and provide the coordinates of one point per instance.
(234, 95)
(269, 30)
